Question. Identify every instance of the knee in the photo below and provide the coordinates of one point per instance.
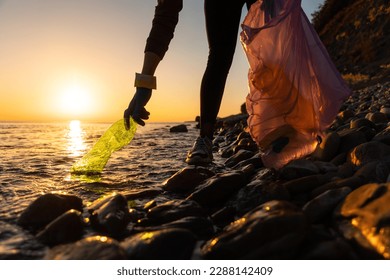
(220, 61)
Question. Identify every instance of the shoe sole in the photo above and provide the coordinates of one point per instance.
(198, 160)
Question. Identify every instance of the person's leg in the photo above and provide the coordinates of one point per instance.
(222, 24)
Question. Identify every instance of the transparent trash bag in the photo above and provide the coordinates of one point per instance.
(114, 139)
(295, 91)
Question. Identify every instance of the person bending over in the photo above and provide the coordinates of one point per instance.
(222, 25)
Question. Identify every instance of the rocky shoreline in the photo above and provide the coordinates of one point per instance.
(333, 204)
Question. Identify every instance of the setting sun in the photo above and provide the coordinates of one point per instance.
(75, 99)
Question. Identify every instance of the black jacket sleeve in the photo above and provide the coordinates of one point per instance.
(165, 19)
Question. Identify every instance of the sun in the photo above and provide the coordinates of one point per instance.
(75, 100)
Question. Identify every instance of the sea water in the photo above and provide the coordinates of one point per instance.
(36, 158)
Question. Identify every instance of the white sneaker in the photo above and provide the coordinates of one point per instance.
(201, 152)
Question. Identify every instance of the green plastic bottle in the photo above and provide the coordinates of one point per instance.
(114, 139)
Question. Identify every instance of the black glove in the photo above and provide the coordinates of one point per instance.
(136, 107)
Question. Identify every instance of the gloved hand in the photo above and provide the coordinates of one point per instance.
(136, 107)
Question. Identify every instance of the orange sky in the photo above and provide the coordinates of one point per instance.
(63, 60)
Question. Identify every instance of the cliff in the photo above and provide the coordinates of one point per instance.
(356, 35)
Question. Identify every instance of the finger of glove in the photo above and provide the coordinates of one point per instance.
(140, 115)
(126, 118)
(127, 123)
(129, 112)
(138, 120)
(144, 114)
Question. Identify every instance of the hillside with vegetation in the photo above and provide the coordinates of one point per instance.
(356, 35)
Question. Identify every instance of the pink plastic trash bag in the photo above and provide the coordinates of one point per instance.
(295, 91)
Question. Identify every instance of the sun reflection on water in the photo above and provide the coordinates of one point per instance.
(77, 148)
(75, 135)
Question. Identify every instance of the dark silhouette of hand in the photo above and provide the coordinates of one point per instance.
(136, 107)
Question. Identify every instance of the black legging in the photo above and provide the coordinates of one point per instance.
(222, 24)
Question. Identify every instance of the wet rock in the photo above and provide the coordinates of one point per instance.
(257, 193)
(136, 215)
(233, 121)
(345, 115)
(237, 157)
(245, 144)
(383, 136)
(179, 128)
(362, 122)
(167, 244)
(244, 135)
(377, 117)
(349, 139)
(364, 217)
(96, 204)
(265, 174)
(142, 193)
(369, 132)
(17, 244)
(255, 160)
(307, 183)
(228, 150)
(346, 170)
(224, 216)
(248, 171)
(218, 188)
(201, 227)
(339, 159)
(386, 111)
(324, 204)
(326, 167)
(150, 204)
(66, 228)
(298, 168)
(382, 170)
(187, 179)
(274, 230)
(352, 182)
(320, 235)
(328, 148)
(46, 208)
(173, 210)
(368, 172)
(337, 249)
(367, 152)
(217, 140)
(347, 177)
(112, 217)
(89, 248)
